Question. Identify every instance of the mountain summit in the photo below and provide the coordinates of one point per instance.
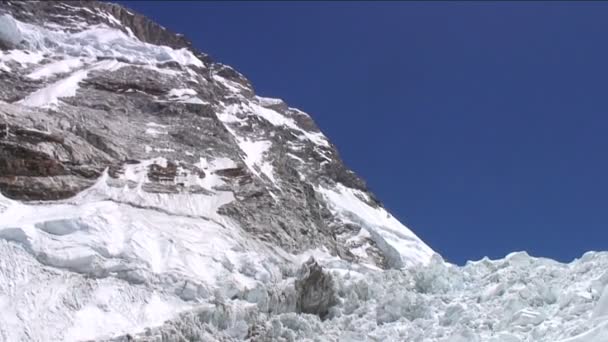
(148, 193)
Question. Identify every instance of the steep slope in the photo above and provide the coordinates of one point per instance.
(149, 194)
(133, 164)
(101, 97)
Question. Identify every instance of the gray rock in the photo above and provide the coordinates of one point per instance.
(315, 289)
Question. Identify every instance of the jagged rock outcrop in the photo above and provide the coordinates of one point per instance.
(38, 162)
(315, 290)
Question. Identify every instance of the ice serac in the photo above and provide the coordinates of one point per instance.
(147, 193)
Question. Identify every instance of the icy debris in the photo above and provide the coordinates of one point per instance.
(92, 42)
(526, 317)
(390, 305)
(215, 278)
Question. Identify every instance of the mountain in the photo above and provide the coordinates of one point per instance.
(149, 194)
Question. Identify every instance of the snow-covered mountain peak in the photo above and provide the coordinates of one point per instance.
(147, 192)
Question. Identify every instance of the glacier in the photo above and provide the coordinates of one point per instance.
(102, 264)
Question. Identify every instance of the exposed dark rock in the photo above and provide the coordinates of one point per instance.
(19, 161)
(236, 172)
(158, 173)
(15, 87)
(339, 173)
(315, 289)
(42, 188)
(131, 79)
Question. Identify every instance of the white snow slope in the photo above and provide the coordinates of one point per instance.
(112, 260)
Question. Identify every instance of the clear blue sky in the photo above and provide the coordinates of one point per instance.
(482, 126)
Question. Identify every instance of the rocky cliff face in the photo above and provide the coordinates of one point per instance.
(91, 92)
(128, 157)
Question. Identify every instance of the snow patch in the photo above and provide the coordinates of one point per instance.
(229, 114)
(57, 67)
(268, 101)
(23, 58)
(254, 150)
(399, 244)
(211, 180)
(181, 92)
(154, 124)
(232, 86)
(49, 96)
(184, 95)
(154, 131)
(254, 157)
